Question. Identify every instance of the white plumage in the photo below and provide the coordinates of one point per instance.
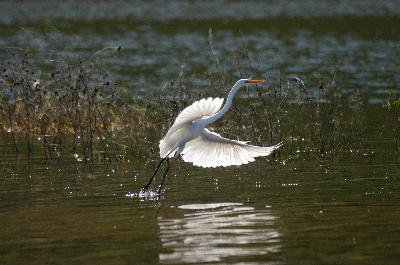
(188, 137)
(212, 150)
(199, 109)
(202, 147)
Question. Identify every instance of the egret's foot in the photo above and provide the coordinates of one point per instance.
(144, 189)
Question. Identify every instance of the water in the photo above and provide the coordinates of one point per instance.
(159, 39)
(299, 211)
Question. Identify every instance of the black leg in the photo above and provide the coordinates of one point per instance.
(145, 187)
(165, 174)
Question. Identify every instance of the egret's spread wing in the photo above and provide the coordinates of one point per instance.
(212, 150)
(199, 109)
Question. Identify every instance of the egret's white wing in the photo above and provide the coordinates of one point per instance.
(212, 150)
(199, 109)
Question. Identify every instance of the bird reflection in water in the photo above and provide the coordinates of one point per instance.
(213, 232)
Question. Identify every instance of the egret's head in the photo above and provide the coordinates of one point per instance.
(243, 82)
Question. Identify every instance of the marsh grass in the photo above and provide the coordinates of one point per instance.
(393, 108)
(75, 109)
(73, 101)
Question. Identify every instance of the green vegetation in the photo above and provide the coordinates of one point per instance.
(75, 109)
(393, 107)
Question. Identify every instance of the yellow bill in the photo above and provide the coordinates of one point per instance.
(255, 81)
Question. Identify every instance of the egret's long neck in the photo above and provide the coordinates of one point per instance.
(225, 108)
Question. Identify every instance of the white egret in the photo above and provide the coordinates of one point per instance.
(188, 137)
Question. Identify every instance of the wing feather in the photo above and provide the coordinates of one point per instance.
(199, 109)
(212, 150)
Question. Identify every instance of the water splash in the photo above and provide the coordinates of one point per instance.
(143, 196)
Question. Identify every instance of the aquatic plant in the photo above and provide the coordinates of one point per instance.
(75, 99)
(73, 108)
(393, 107)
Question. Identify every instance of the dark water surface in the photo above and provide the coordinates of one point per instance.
(298, 213)
(345, 211)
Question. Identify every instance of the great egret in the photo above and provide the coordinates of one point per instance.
(188, 137)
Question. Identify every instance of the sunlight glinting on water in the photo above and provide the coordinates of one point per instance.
(212, 232)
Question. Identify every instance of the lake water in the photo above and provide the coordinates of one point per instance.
(159, 39)
(297, 211)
